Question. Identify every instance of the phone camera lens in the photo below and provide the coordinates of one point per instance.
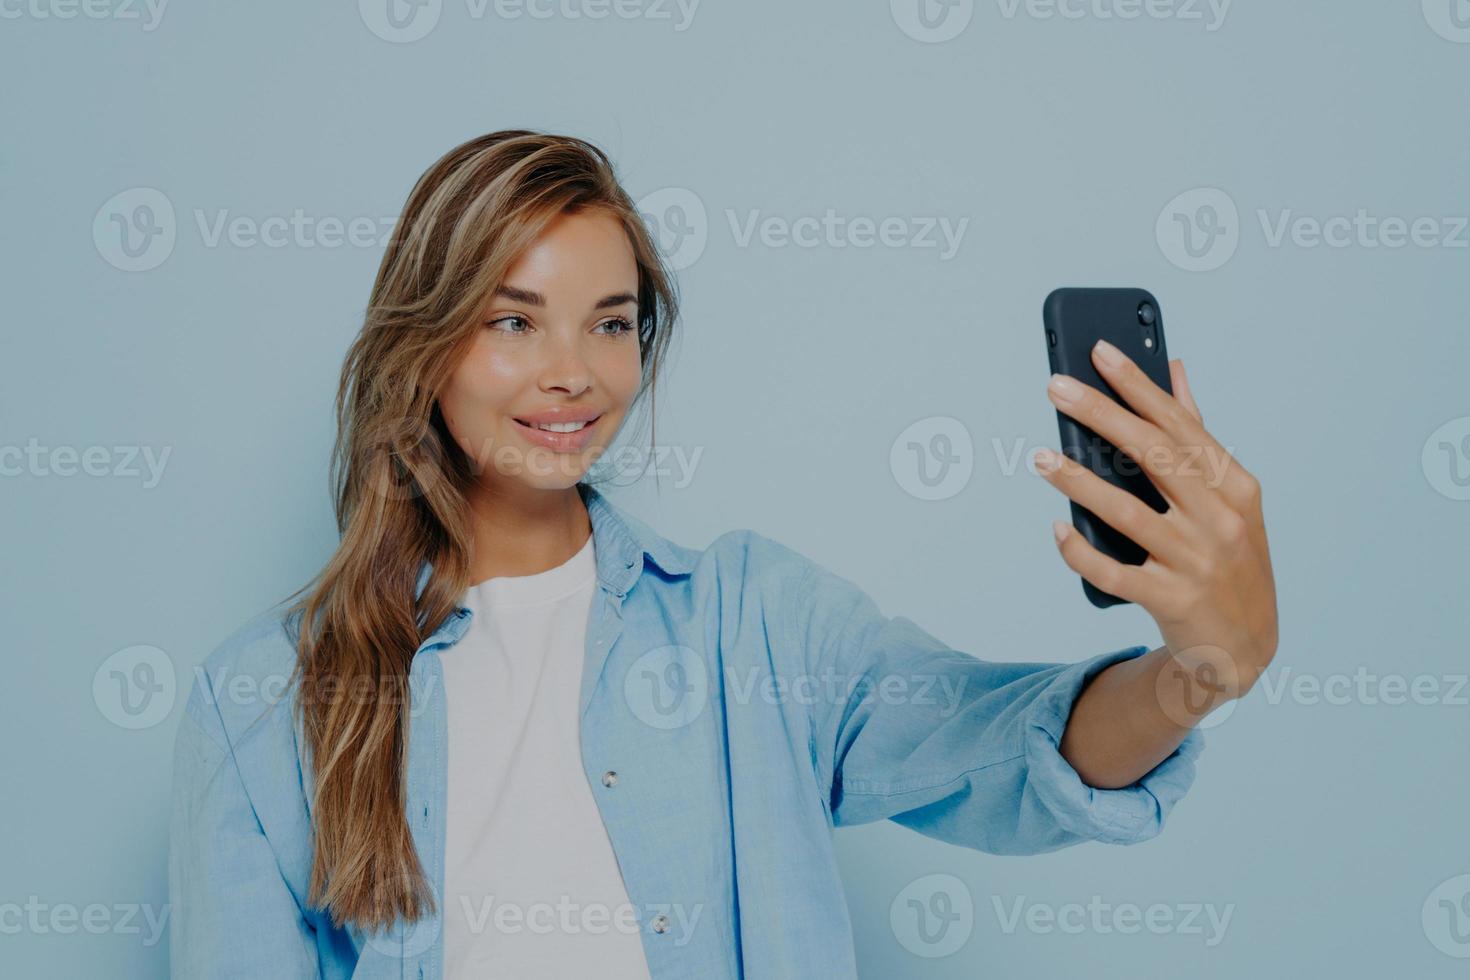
(1147, 314)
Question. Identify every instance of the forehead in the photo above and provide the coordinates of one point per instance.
(579, 255)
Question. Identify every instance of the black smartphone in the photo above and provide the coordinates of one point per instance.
(1129, 319)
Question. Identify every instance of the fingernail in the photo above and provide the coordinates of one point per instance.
(1065, 388)
(1109, 354)
(1046, 461)
(1061, 530)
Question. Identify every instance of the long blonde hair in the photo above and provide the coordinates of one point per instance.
(399, 479)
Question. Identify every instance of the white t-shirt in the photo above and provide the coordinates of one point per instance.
(532, 886)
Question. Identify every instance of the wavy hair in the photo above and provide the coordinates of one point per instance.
(399, 481)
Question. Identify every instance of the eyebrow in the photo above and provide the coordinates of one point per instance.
(533, 298)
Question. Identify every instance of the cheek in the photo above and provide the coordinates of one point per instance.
(489, 369)
(623, 372)
(480, 389)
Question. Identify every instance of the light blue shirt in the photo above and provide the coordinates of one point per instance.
(738, 703)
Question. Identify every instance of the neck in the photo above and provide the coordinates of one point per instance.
(524, 531)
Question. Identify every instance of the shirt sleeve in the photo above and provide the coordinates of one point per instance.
(232, 913)
(960, 749)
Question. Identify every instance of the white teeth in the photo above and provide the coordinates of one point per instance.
(561, 426)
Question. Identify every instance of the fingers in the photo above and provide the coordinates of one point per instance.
(1129, 582)
(1178, 418)
(1115, 506)
(1144, 397)
(1139, 439)
(1238, 485)
(1180, 381)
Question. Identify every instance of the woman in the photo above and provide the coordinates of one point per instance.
(510, 730)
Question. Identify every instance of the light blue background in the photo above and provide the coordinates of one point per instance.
(1322, 828)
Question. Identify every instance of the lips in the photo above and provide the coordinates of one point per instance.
(565, 414)
(564, 442)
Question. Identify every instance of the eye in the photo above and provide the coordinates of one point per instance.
(509, 319)
(619, 322)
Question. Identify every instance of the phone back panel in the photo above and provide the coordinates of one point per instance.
(1075, 319)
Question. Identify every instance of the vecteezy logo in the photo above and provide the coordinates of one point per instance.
(135, 229)
(933, 458)
(400, 21)
(135, 687)
(1446, 459)
(1450, 19)
(932, 21)
(1199, 230)
(1185, 684)
(933, 916)
(1446, 917)
(667, 687)
(676, 218)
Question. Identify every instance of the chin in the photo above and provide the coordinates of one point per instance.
(546, 468)
(556, 471)
(560, 480)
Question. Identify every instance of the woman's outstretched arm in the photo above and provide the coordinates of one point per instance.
(1207, 581)
(903, 726)
(1134, 714)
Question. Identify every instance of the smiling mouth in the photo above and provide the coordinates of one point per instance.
(566, 428)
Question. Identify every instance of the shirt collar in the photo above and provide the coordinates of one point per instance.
(620, 542)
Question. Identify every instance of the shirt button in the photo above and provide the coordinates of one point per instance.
(660, 923)
(609, 778)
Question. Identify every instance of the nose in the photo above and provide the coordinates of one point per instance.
(566, 369)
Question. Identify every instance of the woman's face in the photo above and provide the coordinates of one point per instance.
(558, 342)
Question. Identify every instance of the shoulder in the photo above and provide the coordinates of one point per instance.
(761, 557)
(769, 571)
(742, 554)
(245, 677)
(804, 593)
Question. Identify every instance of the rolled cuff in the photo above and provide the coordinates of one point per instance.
(1125, 815)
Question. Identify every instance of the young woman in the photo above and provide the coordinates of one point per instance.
(511, 731)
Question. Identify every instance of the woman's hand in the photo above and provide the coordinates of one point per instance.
(1207, 581)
